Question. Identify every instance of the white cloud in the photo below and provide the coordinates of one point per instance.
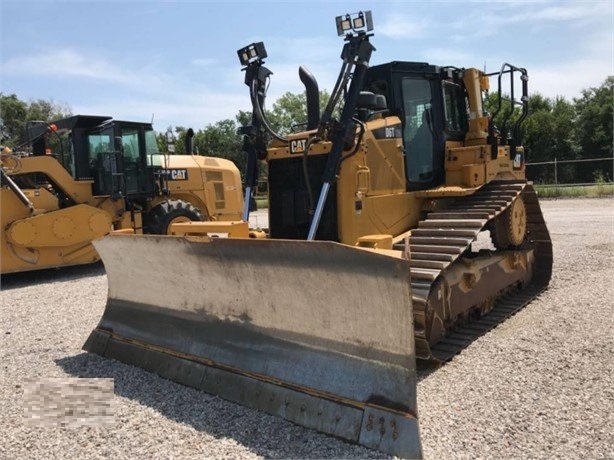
(448, 56)
(400, 26)
(566, 12)
(204, 62)
(564, 79)
(205, 90)
(135, 93)
(69, 63)
(588, 66)
(501, 16)
(189, 110)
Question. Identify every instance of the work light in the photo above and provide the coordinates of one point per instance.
(252, 53)
(355, 22)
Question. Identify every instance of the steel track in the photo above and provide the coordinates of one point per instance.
(441, 240)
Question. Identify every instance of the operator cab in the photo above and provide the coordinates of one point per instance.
(113, 154)
(117, 154)
(432, 109)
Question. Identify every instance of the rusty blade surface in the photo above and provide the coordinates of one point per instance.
(316, 332)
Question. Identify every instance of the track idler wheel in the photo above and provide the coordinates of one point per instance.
(510, 228)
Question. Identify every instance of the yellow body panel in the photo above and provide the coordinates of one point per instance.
(64, 227)
(371, 193)
(42, 198)
(78, 191)
(472, 166)
(213, 185)
(238, 229)
(371, 190)
(42, 248)
(58, 233)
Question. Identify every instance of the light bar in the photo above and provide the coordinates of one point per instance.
(251, 53)
(354, 23)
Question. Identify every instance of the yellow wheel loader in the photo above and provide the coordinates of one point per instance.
(108, 175)
(401, 226)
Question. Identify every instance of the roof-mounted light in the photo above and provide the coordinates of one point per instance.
(354, 23)
(252, 53)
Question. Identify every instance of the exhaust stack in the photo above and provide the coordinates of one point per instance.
(189, 142)
(313, 97)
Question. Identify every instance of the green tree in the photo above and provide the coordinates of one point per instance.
(503, 115)
(548, 130)
(43, 110)
(594, 129)
(13, 112)
(549, 135)
(221, 140)
(179, 139)
(178, 135)
(243, 118)
(289, 112)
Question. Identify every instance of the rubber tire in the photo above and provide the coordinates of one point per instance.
(161, 216)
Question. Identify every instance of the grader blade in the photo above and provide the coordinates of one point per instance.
(316, 332)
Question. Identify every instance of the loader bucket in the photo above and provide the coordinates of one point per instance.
(316, 332)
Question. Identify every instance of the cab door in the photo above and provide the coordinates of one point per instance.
(105, 162)
(423, 138)
(138, 177)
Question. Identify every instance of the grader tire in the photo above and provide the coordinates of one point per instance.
(171, 212)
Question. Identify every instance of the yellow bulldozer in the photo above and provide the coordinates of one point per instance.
(108, 175)
(401, 226)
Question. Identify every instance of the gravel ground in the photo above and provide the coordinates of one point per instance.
(540, 385)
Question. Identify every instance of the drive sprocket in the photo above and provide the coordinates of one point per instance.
(509, 229)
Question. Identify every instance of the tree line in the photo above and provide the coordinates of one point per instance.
(554, 128)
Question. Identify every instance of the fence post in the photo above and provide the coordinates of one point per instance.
(556, 173)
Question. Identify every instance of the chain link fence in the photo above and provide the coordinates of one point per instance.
(561, 173)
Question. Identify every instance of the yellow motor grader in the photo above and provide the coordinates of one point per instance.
(401, 226)
(108, 175)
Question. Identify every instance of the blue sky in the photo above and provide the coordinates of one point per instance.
(176, 60)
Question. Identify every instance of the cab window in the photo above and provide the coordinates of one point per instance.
(418, 129)
(453, 105)
(130, 143)
(99, 143)
(151, 144)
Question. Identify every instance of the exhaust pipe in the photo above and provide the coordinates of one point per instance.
(189, 142)
(313, 97)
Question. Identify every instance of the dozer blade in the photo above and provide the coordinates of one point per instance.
(316, 332)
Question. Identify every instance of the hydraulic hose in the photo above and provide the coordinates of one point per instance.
(260, 113)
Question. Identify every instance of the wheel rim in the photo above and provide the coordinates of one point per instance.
(177, 220)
